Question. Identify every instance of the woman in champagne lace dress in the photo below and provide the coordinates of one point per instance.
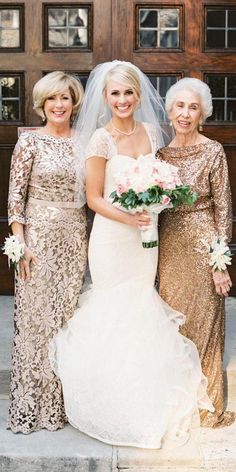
(46, 211)
(187, 282)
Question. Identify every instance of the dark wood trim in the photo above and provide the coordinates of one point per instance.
(80, 74)
(231, 124)
(69, 71)
(164, 73)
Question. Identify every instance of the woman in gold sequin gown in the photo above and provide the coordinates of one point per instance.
(47, 213)
(187, 282)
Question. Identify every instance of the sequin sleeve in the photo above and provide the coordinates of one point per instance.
(220, 190)
(21, 165)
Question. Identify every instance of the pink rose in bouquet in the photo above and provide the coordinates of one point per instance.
(150, 184)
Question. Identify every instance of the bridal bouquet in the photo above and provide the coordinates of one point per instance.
(152, 185)
(14, 249)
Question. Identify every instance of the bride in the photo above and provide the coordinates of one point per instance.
(129, 377)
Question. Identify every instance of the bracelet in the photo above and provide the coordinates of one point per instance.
(220, 255)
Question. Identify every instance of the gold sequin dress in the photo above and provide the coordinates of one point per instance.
(186, 282)
(41, 197)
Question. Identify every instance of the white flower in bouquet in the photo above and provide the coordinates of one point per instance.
(220, 255)
(149, 184)
(14, 250)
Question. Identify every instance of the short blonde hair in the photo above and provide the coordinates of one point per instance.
(53, 83)
(195, 85)
(124, 74)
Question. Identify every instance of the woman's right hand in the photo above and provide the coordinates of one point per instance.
(25, 264)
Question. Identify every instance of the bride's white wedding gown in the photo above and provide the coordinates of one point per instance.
(129, 377)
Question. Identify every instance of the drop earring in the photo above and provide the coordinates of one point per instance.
(200, 127)
(170, 124)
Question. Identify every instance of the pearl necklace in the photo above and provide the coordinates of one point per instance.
(124, 132)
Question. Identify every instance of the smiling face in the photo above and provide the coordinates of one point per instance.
(186, 112)
(58, 108)
(121, 99)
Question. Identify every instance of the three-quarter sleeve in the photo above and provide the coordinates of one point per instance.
(21, 165)
(99, 145)
(220, 190)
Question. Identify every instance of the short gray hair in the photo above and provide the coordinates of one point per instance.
(195, 85)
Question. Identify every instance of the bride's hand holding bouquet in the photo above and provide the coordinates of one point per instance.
(148, 184)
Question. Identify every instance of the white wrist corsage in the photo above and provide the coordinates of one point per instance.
(14, 250)
(220, 254)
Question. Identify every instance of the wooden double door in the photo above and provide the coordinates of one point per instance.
(167, 39)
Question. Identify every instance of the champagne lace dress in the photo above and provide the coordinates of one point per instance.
(129, 377)
(186, 282)
(41, 197)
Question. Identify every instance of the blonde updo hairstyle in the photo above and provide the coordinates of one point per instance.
(196, 86)
(124, 74)
(54, 83)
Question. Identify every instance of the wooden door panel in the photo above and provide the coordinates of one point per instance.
(31, 63)
(6, 152)
(231, 157)
(114, 35)
(191, 59)
(6, 275)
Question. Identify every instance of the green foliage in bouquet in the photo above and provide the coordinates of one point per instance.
(130, 200)
(181, 195)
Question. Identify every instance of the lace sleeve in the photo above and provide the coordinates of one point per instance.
(98, 145)
(220, 189)
(21, 165)
(152, 133)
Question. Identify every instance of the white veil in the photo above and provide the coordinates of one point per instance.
(95, 113)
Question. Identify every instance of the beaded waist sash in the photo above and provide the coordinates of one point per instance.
(48, 203)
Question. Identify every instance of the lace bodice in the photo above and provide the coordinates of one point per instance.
(42, 167)
(103, 145)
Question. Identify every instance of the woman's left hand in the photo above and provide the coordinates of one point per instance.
(222, 282)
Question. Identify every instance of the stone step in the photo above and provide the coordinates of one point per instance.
(211, 450)
(71, 451)
(63, 450)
